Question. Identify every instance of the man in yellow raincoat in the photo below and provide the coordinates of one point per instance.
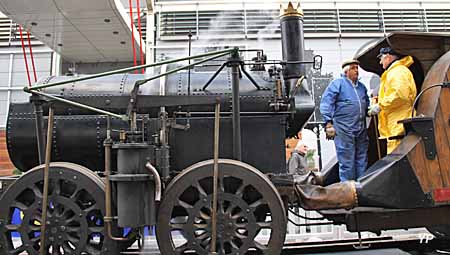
(395, 97)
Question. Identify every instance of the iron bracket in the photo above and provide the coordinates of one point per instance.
(424, 127)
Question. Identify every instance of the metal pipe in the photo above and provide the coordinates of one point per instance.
(123, 70)
(214, 75)
(82, 106)
(108, 204)
(215, 179)
(158, 185)
(250, 77)
(231, 113)
(38, 112)
(48, 153)
(189, 70)
(236, 110)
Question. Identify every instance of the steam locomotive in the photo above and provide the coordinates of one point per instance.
(105, 156)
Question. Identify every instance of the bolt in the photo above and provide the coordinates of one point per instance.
(230, 224)
(74, 177)
(51, 239)
(63, 228)
(81, 215)
(59, 237)
(48, 222)
(248, 210)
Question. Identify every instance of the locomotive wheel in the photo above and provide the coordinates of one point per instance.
(250, 217)
(75, 212)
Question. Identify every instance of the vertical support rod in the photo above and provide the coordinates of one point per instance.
(215, 179)
(319, 147)
(48, 152)
(37, 104)
(236, 109)
(189, 70)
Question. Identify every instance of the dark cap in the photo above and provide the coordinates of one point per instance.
(349, 62)
(387, 50)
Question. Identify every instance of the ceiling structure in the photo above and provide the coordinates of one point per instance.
(80, 31)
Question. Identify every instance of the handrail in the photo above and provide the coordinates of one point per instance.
(123, 70)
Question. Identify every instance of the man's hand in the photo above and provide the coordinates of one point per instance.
(330, 131)
(374, 110)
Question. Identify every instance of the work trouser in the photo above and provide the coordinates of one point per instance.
(352, 155)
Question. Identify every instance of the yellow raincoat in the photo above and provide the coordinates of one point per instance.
(396, 98)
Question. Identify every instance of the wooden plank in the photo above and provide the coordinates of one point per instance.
(444, 103)
(427, 171)
(442, 146)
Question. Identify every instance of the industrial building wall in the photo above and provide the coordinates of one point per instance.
(13, 77)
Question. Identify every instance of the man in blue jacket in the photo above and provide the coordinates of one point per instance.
(344, 107)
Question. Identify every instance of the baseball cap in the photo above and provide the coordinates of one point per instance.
(387, 50)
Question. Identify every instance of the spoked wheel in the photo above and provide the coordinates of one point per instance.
(251, 218)
(75, 212)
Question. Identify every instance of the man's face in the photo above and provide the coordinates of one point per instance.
(303, 149)
(352, 73)
(385, 60)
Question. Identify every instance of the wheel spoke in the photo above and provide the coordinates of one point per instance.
(177, 226)
(202, 236)
(256, 204)
(240, 191)
(234, 246)
(182, 248)
(57, 188)
(260, 246)
(37, 191)
(18, 250)
(185, 205)
(12, 227)
(262, 225)
(200, 226)
(201, 191)
(96, 229)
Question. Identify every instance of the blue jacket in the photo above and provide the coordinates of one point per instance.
(345, 106)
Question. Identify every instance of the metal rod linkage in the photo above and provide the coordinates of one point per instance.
(123, 70)
(87, 107)
(48, 153)
(215, 179)
(215, 75)
(236, 116)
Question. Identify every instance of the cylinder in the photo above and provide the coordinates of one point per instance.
(292, 42)
(135, 187)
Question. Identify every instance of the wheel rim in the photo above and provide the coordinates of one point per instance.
(75, 212)
(245, 199)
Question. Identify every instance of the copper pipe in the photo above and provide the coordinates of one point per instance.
(48, 153)
(215, 180)
(278, 87)
(108, 217)
(158, 185)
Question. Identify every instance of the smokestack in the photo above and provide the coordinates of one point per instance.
(292, 42)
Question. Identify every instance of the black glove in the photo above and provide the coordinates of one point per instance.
(330, 131)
